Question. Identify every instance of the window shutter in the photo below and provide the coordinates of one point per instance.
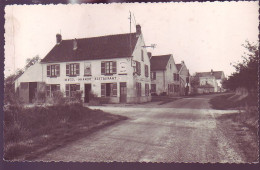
(67, 69)
(154, 75)
(146, 71)
(57, 68)
(48, 71)
(114, 89)
(58, 87)
(103, 68)
(114, 67)
(103, 89)
(67, 90)
(77, 87)
(48, 90)
(77, 69)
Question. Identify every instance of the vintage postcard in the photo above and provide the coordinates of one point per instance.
(132, 82)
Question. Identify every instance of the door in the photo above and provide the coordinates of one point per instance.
(87, 92)
(123, 92)
(32, 91)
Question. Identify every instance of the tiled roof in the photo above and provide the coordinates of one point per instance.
(104, 47)
(178, 67)
(159, 62)
(216, 74)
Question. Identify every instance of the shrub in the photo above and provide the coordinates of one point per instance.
(58, 98)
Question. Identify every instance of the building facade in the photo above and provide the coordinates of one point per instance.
(115, 68)
(210, 82)
(183, 71)
(164, 76)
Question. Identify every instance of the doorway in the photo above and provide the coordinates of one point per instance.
(87, 93)
(123, 92)
(32, 91)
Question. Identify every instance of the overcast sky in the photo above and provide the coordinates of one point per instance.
(205, 35)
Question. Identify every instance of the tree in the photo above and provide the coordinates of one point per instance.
(246, 74)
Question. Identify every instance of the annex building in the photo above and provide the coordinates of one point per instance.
(113, 67)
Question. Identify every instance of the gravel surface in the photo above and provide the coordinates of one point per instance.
(181, 131)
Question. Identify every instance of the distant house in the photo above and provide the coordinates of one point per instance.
(165, 79)
(184, 78)
(114, 67)
(210, 81)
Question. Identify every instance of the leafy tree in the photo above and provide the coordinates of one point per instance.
(246, 72)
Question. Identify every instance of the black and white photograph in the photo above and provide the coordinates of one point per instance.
(132, 82)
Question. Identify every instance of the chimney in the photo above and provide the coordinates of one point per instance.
(75, 44)
(182, 62)
(138, 30)
(211, 71)
(58, 38)
(149, 55)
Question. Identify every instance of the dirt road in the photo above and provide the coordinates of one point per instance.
(181, 131)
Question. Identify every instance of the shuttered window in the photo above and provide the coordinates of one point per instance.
(153, 75)
(108, 89)
(114, 89)
(142, 55)
(139, 89)
(146, 89)
(146, 70)
(48, 90)
(108, 67)
(138, 68)
(73, 69)
(153, 88)
(71, 89)
(53, 70)
(51, 88)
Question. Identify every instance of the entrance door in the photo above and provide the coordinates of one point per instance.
(123, 92)
(32, 91)
(87, 92)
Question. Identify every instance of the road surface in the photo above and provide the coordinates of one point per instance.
(180, 131)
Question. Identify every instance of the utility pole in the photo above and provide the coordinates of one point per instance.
(130, 18)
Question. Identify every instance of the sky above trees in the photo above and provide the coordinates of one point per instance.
(205, 35)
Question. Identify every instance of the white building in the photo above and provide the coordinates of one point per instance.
(210, 82)
(114, 67)
(164, 76)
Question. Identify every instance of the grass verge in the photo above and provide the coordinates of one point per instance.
(30, 132)
(232, 101)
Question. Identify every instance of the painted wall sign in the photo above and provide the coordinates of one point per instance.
(77, 79)
(122, 67)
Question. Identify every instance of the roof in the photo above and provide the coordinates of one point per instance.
(104, 47)
(159, 62)
(216, 74)
(178, 67)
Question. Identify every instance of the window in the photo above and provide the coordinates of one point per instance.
(71, 89)
(51, 88)
(142, 55)
(146, 89)
(176, 77)
(153, 88)
(87, 69)
(108, 89)
(170, 88)
(108, 67)
(146, 70)
(176, 88)
(72, 69)
(139, 89)
(53, 70)
(138, 68)
(153, 75)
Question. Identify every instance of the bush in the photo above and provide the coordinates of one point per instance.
(58, 98)
(93, 99)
